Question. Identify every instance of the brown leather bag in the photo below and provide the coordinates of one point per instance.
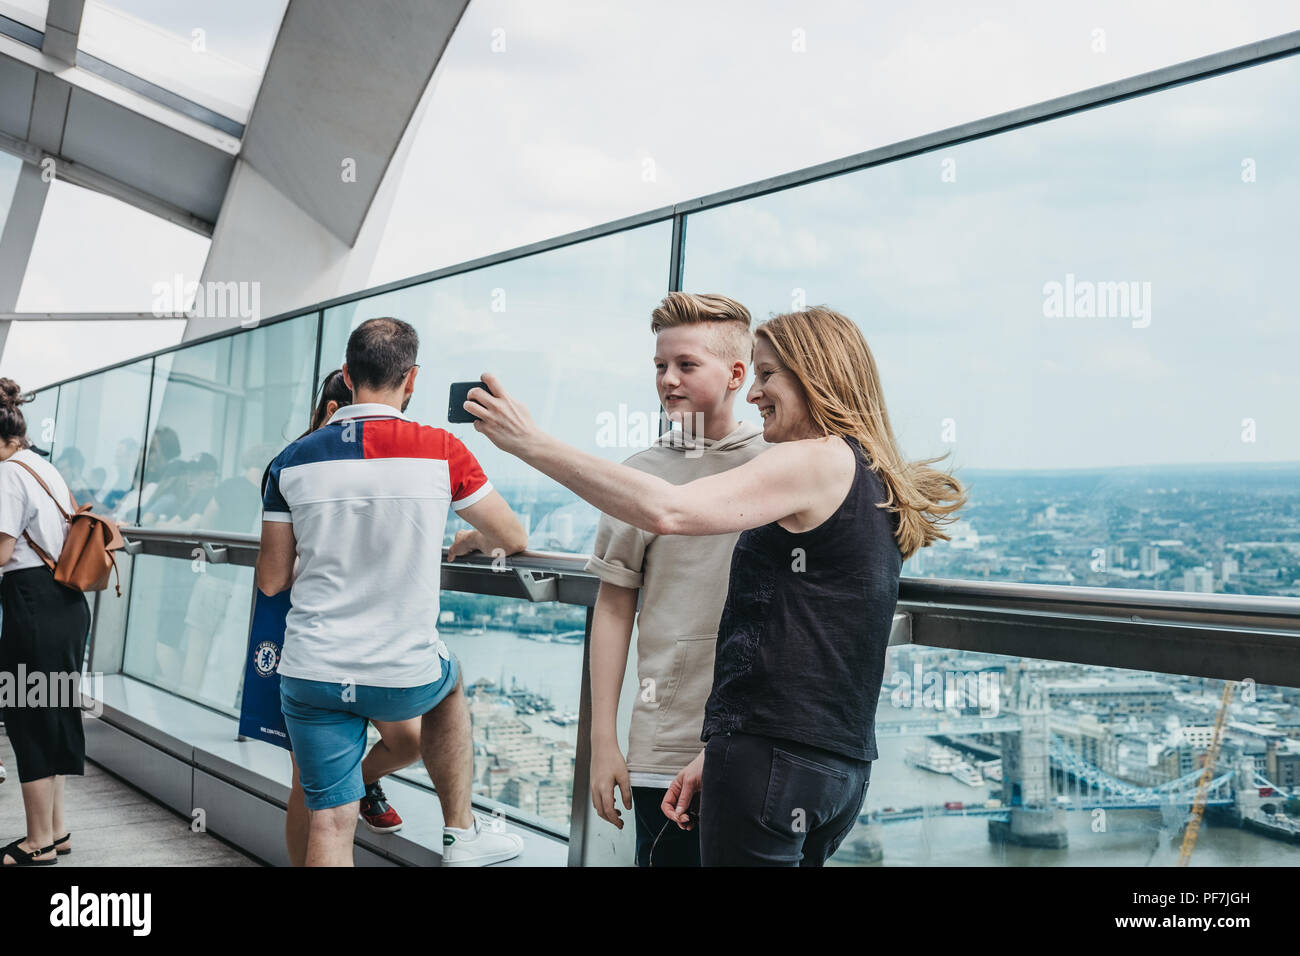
(87, 554)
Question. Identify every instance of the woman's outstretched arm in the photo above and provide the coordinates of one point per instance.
(768, 487)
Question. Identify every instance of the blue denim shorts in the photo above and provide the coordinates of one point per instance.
(328, 728)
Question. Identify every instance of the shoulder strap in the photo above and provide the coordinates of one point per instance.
(40, 552)
(40, 481)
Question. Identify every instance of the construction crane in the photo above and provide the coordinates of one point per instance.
(1203, 785)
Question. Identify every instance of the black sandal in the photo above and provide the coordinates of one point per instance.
(23, 858)
(59, 849)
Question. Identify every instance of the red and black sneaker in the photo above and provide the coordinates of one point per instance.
(376, 813)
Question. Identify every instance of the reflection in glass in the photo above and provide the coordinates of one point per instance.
(187, 627)
(1091, 314)
(99, 436)
(567, 331)
(993, 760)
(221, 411)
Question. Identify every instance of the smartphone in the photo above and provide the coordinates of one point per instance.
(456, 413)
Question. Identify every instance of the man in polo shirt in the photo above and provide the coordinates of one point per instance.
(362, 504)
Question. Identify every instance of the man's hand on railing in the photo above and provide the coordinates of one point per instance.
(682, 791)
(464, 543)
(608, 768)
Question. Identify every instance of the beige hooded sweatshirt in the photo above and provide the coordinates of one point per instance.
(684, 585)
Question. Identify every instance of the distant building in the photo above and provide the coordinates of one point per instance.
(1149, 559)
(541, 796)
(1198, 737)
(1198, 580)
(1112, 698)
(1176, 761)
(516, 765)
(1283, 768)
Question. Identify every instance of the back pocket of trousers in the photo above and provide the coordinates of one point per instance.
(802, 794)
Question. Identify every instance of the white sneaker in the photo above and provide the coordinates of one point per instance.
(481, 847)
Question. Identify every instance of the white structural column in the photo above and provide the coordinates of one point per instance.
(45, 132)
(343, 93)
(18, 237)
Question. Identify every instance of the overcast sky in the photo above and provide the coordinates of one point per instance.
(556, 132)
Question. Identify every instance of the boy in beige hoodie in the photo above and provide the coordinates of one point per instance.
(703, 349)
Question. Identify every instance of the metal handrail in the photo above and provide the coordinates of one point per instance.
(1241, 612)
(564, 561)
(1260, 611)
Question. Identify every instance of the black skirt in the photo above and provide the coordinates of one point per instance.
(45, 629)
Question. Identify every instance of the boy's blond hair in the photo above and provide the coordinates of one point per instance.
(726, 322)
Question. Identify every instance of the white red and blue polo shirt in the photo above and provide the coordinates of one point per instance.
(367, 494)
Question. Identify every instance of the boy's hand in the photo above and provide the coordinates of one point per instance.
(504, 420)
(608, 768)
(464, 542)
(684, 788)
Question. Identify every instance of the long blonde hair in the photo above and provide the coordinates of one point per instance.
(827, 353)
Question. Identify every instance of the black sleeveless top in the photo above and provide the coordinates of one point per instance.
(802, 639)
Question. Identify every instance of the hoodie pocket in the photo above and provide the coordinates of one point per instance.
(679, 718)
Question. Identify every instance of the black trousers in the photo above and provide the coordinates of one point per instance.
(660, 841)
(772, 802)
(44, 632)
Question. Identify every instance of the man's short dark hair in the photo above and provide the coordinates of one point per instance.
(380, 352)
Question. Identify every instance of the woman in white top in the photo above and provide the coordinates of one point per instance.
(44, 632)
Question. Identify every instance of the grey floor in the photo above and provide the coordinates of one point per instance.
(114, 824)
